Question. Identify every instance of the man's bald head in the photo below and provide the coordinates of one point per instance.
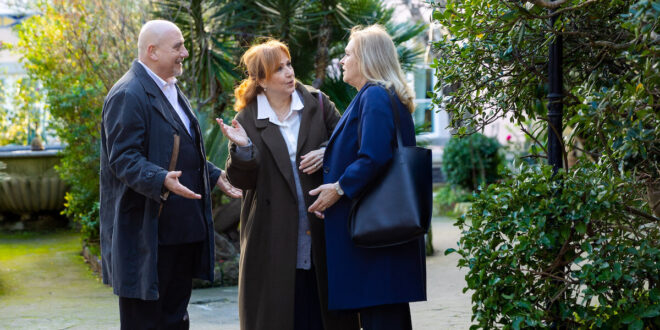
(152, 33)
(161, 48)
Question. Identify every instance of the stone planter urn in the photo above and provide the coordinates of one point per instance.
(32, 185)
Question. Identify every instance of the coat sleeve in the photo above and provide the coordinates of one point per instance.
(242, 170)
(124, 123)
(376, 142)
(214, 174)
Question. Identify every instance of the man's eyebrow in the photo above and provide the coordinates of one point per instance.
(178, 44)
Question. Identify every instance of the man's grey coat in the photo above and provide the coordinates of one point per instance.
(137, 140)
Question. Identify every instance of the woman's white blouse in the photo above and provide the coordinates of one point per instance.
(290, 126)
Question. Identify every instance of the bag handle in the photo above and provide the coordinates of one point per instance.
(171, 167)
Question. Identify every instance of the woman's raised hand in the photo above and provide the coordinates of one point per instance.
(235, 133)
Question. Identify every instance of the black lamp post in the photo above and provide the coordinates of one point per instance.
(555, 106)
(555, 152)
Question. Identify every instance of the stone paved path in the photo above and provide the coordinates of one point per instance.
(44, 284)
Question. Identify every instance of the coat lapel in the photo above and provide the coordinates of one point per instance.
(157, 99)
(274, 141)
(347, 113)
(306, 118)
(338, 128)
(187, 108)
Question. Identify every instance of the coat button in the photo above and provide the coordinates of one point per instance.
(326, 169)
(308, 232)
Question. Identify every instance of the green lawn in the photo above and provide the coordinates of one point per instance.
(45, 283)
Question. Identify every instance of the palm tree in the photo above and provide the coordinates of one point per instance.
(211, 67)
(217, 32)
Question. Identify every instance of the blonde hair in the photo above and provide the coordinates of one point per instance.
(378, 61)
(261, 61)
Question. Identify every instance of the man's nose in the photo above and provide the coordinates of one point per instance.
(185, 52)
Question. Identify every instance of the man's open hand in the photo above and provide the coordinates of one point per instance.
(173, 185)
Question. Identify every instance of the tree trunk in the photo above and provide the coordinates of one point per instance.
(321, 62)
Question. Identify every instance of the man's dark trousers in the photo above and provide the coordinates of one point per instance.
(175, 264)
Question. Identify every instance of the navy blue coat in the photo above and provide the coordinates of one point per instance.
(137, 137)
(361, 277)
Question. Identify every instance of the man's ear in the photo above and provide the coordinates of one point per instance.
(152, 52)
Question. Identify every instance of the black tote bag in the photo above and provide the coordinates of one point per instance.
(396, 207)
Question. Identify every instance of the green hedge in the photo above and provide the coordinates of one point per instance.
(472, 160)
(546, 250)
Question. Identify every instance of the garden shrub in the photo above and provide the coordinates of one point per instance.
(545, 250)
(446, 197)
(77, 52)
(580, 249)
(470, 161)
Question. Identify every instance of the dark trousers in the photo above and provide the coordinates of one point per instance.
(386, 317)
(175, 266)
(307, 305)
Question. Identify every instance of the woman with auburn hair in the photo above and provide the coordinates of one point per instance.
(276, 151)
(377, 282)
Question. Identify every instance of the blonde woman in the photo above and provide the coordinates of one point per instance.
(377, 282)
(276, 153)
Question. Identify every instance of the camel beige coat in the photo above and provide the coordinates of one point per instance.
(269, 217)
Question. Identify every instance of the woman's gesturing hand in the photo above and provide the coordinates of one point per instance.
(328, 196)
(227, 188)
(235, 133)
(312, 161)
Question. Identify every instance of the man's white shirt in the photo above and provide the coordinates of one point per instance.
(169, 89)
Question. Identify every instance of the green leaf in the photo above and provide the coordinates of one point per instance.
(637, 325)
(653, 311)
(524, 304)
(516, 322)
(509, 15)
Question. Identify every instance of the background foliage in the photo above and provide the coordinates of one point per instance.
(471, 161)
(77, 52)
(446, 197)
(219, 31)
(590, 236)
(77, 49)
(29, 117)
(556, 250)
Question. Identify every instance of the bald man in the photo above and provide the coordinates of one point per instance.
(155, 207)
